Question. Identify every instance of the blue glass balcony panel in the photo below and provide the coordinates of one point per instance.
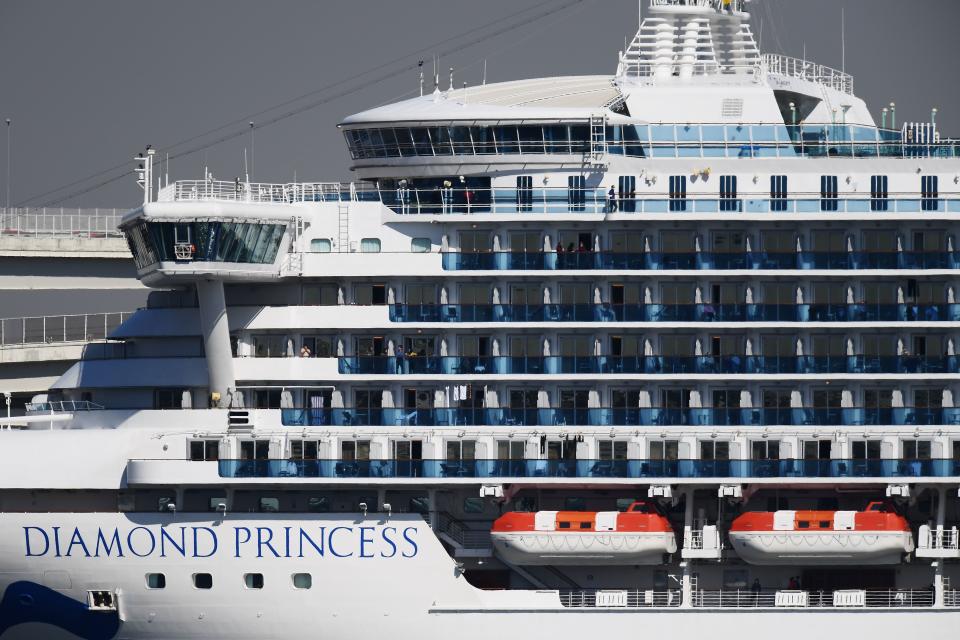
(621, 417)
(639, 469)
(606, 312)
(593, 365)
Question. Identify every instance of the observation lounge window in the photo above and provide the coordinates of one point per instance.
(778, 193)
(829, 200)
(205, 241)
(506, 139)
(879, 193)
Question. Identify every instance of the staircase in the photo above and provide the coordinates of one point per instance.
(343, 220)
(467, 542)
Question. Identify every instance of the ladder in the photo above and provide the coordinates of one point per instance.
(598, 138)
(343, 220)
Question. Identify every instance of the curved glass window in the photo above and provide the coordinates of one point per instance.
(204, 241)
(370, 245)
(658, 140)
(320, 245)
(420, 245)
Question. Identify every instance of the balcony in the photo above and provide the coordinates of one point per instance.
(647, 365)
(699, 261)
(621, 417)
(614, 469)
(606, 312)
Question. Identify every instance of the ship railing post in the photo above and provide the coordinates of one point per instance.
(432, 505)
(686, 590)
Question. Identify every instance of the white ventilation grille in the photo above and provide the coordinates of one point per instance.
(731, 108)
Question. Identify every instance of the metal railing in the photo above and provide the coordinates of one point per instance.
(61, 223)
(16, 332)
(618, 598)
(805, 70)
(262, 192)
(938, 538)
(748, 599)
(63, 406)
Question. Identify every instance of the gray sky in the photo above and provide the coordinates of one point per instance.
(88, 84)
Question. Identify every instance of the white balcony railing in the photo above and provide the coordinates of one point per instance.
(60, 223)
(16, 332)
(778, 64)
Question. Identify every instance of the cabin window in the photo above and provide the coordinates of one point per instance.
(156, 581)
(204, 450)
(576, 192)
(202, 581)
(269, 505)
(678, 193)
(420, 245)
(352, 450)
(574, 504)
(168, 398)
(866, 449)
(370, 245)
(917, 449)
(930, 192)
(302, 581)
(253, 580)
(828, 193)
(318, 504)
(664, 450)
(320, 245)
(765, 449)
(254, 449)
(612, 450)
(510, 449)
(458, 450)
(370, 294)
(879, 193)
(304, 449)
(323, 295)
(728, 193)
(778, 193)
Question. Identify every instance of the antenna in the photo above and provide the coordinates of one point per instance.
(451, 80)
(484, 72)
(760, 37)
(246, 167)
(420, 65)
(166, 175)
(843, 39)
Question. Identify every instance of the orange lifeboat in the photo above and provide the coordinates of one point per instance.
(640, 535)
(877, 535)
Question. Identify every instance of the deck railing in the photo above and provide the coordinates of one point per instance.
(805, 70)
(60, 223)
(854, 598)
(36, 330)
(618, 598)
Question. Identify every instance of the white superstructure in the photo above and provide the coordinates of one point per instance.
(709, 281)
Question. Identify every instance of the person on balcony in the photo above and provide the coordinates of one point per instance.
(612, 200)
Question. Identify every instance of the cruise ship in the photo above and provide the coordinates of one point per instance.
(669, 350)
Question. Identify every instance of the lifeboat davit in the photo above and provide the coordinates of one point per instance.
(640, 535)
(877, 535)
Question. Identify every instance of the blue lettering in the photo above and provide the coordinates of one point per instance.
(131, 547)
(108, 546)
(77, 539)
(364, 541)
(165, 537)
(56, 541)
(46, 542)
(238, 541)
(261, 542)
(286, 542)
(196, 542)
(305, 536)
(330, 542)
(414, 549)
(389, 540)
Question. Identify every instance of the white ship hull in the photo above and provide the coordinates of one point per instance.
(372, 578)
(531, 548)
(822, 548)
